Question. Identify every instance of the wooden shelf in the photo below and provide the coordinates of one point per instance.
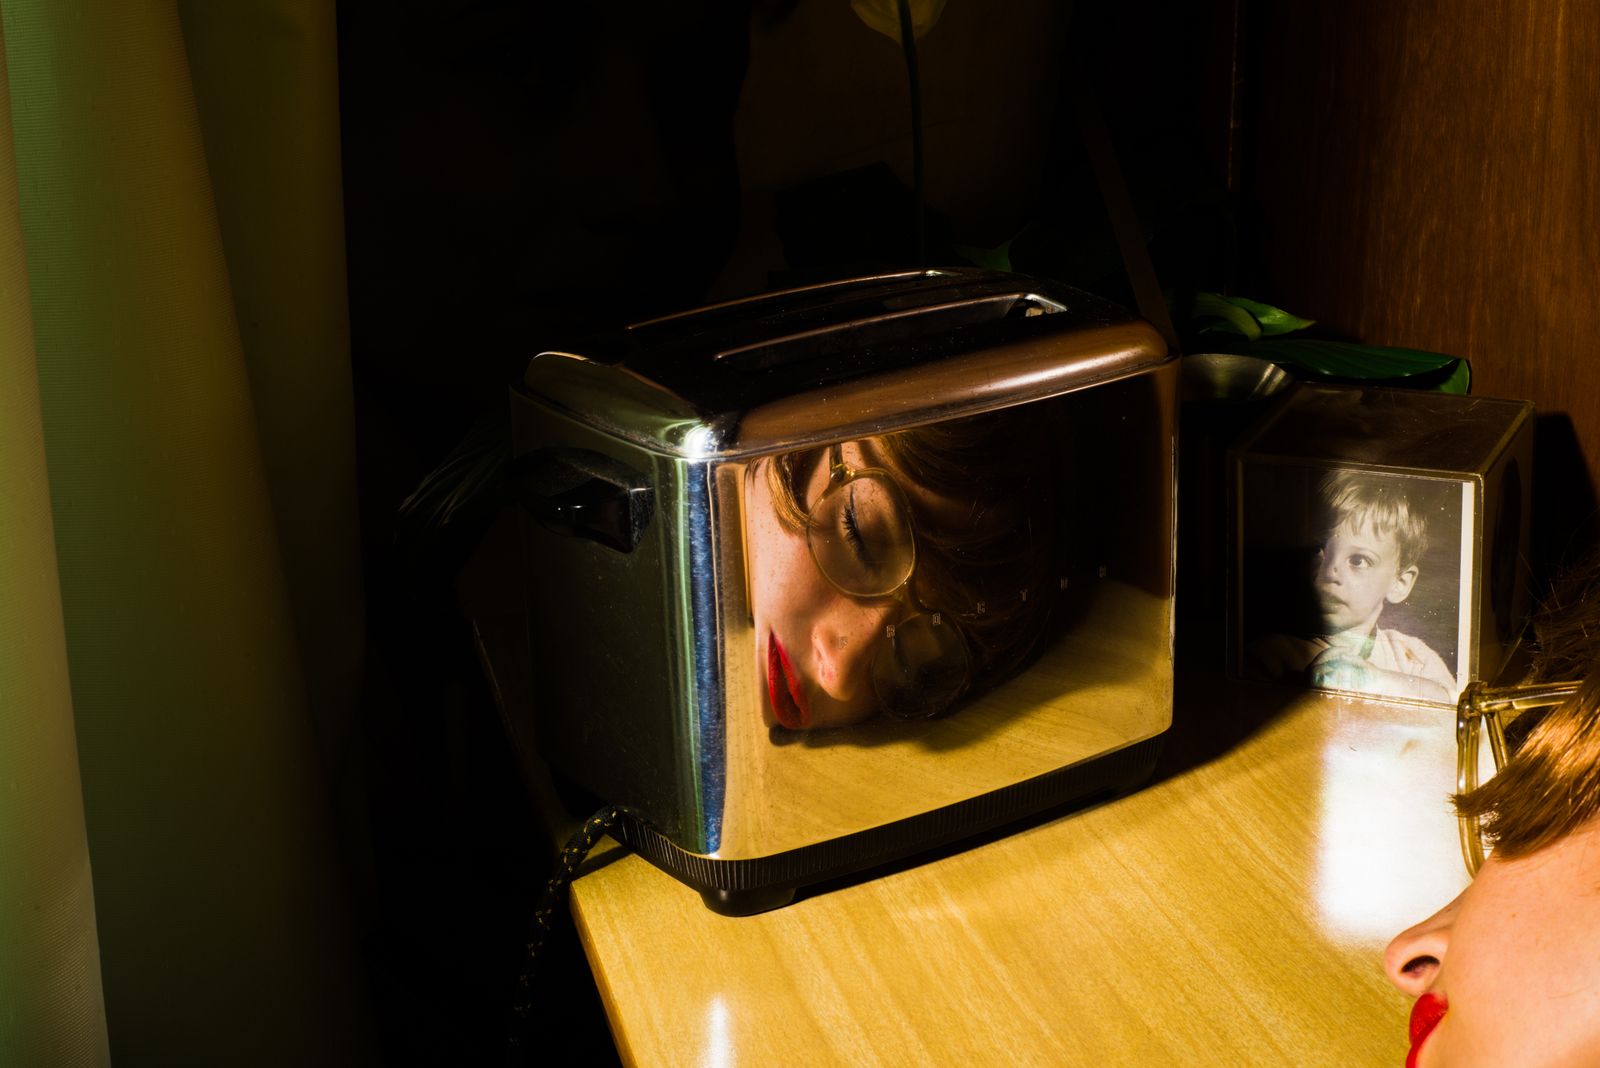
(1233, 912)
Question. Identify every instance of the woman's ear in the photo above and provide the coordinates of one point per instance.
(1400, 588)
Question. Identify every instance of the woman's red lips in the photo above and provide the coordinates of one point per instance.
(1425, 1016)
(783, 688)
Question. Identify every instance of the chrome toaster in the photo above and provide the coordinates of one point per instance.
(824, 578)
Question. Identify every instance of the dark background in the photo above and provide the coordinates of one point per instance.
(517, 172)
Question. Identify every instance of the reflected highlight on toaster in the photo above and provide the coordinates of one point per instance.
(901, 574)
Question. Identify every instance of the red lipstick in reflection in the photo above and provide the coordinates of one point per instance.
(783, 688)
(1425, 1016)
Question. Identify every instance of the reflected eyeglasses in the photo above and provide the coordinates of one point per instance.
(1489, 710)
(864, 543)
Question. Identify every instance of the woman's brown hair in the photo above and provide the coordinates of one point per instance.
(995, 572)
(1551, 787)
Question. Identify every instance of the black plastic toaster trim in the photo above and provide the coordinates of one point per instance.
(747, 887)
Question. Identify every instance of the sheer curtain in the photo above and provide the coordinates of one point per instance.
(180, 627)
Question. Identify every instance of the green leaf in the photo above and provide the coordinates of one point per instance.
(1460, 380)
(1235, 319)
(996, 259)
(1263, 319)
(1363, 363)
(884, 15)
(1273, 320)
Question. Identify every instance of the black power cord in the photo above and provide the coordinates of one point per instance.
(578, 846)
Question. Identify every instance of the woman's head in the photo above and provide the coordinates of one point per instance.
(958, 518)
(1509, 972)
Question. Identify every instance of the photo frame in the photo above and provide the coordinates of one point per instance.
(1379, 542)
(1351, 579)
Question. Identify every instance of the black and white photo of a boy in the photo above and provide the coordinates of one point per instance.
(1369, 558)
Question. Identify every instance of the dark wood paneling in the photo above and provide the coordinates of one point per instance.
(1427, 176)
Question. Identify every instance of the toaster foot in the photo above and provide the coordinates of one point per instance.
(747, 902)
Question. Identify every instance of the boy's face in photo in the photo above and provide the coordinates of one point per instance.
(1357, 571)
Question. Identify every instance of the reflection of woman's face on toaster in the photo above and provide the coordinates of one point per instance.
(816, 643)
(884, 577)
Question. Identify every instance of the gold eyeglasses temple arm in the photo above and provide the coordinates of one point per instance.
(1478, 699)
(1471, 846)
(838, 471)
(1481, 702)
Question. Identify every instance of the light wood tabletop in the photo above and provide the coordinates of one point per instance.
(1233, 912)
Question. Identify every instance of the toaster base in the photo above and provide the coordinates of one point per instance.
(759, 884)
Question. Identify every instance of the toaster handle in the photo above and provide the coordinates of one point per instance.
(586, 494)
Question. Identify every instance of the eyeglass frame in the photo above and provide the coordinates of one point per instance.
(841, 474)
(1483, 703)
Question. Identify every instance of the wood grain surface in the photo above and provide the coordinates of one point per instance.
(1427, 178)
(1232, 913)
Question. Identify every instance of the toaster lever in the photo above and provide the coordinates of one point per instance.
(586, 494)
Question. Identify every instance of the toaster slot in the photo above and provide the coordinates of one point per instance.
(820, 293)
(701, 334)
(893, 325)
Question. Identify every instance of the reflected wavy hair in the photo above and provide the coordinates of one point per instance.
(995, 571)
